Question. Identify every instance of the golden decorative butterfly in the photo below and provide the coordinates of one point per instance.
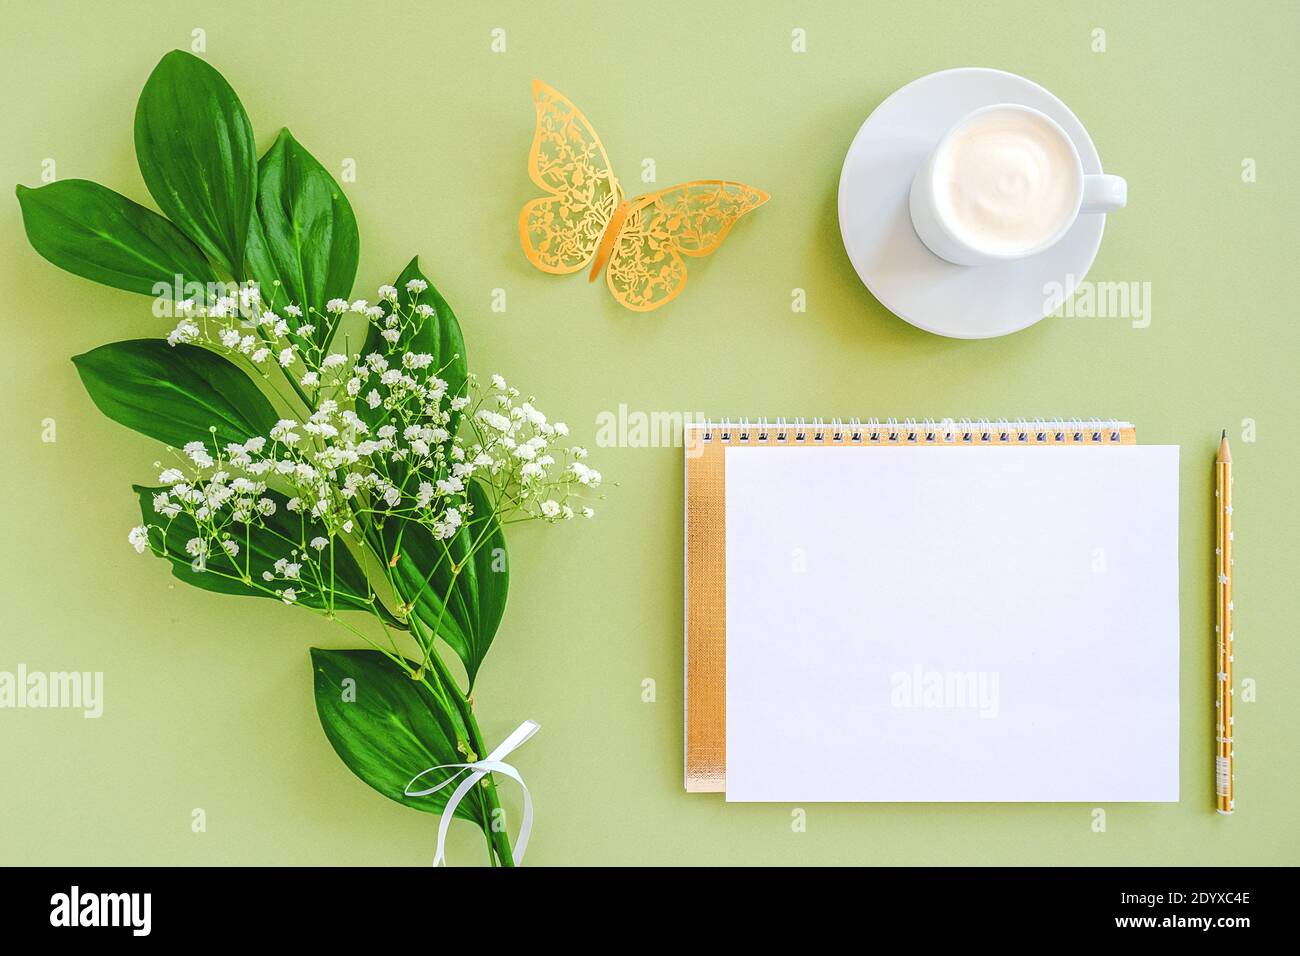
(585, 218)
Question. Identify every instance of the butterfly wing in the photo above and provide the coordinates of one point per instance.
(560, 231)
(646, 268)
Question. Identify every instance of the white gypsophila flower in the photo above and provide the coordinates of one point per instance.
(424, 495)
(288, 595)
(185, 332)
(197, 452)
(498, 421)
(417, 360)
(448, 525)
(585, 475)
(138, 538)
(385, 438)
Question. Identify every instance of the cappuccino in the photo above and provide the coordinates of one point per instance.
(1007, 181)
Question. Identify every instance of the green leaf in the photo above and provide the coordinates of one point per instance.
(423, 575)
(308, 227)
(261, 544)
(260, 267)
(387, 727)
(439, 335)
(174, 394)
(95, 233)
(476, 598)
(195, 148)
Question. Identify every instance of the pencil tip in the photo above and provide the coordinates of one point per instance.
(1224, 435)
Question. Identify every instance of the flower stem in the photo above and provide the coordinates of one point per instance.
(498, 840)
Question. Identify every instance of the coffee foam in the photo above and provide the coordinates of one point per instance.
(1006, 182)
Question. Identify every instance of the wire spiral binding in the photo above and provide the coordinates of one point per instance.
(926, 431)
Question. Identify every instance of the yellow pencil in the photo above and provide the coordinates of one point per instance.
(1224, 797)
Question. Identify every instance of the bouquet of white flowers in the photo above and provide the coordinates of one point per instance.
(374, 480)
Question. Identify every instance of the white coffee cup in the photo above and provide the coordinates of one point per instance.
(1005, 182)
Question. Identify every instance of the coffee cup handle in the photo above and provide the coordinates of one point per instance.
(1102, 193)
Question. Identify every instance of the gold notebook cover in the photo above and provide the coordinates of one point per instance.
(706, 538)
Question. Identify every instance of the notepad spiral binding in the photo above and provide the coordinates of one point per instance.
(1073, 431)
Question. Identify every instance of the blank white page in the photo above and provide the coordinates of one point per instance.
(952, 624)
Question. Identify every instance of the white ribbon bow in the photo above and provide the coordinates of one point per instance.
(492, 763)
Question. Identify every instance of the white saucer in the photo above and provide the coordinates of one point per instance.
(965, 302)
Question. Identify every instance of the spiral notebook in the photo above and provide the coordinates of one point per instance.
(931, 611)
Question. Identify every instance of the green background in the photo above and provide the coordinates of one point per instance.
(208, 699)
